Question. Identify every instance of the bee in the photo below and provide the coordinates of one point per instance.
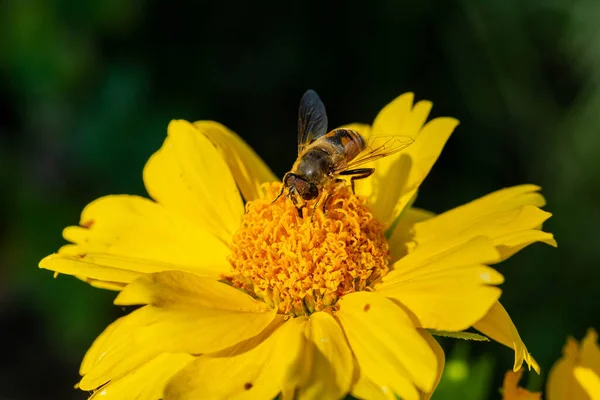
(323, 157)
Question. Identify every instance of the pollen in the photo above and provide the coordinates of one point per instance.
(300, 262)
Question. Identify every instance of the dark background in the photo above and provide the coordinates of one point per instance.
(87, 90)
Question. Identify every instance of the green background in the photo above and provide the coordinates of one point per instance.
(87, 90)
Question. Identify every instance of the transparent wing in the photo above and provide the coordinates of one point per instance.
(312, 119)
(376, 147)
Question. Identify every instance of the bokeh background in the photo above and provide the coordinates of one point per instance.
(87, 90)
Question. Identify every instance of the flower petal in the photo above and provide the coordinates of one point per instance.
(590, 352)
(114, 353)
(389, 350)
(127, 235)
(367, 389)
(177, 289)
(408, 168)
(198, 331)
(189, 175)
(254, 369)
(330, 370)
(385, 198)
(401, 238)
(190, 314)
(445, 290)
(248, 169)
(399, 117)
(147, 382)
(590, 382)
(497, 325)
(512, 243)
(108, 285)
(512, 391)
(423, 153)
(91, 268)
(441, 361)
(509, 217)
(561, 384)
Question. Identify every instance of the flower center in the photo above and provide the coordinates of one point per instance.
(302, 264)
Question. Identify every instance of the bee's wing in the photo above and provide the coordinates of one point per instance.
(376, 147)
(312, 119)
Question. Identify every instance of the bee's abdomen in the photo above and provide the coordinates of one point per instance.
(347, 141)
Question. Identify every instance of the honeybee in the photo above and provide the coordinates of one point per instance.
(325, 156)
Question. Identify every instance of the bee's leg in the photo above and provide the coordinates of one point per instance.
(326, 201)
(356, 174)
(290, 196)
(330, 193)
(327, 193)
(312, 216)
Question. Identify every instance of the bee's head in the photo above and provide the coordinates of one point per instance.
(307, 190)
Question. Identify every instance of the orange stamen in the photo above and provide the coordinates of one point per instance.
(302, 264)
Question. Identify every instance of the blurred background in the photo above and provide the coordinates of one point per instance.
(87, 90)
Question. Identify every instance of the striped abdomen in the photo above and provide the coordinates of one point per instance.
(347, 142)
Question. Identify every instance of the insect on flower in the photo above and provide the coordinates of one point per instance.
(324, 157)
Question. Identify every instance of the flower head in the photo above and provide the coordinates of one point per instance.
(302, 264)
(256, 300)
(576, 376)
(512, 391)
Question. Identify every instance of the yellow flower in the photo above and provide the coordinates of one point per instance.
(512, 391)
(251, 302)
(576, 376)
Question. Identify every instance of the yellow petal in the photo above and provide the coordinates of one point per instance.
(399, 117)
(89, 269)
(190, 320)
(197, 331)
(423, 153)
(508, 199)
(248, 169)
(146, 382)
(254, 369)
(448, 290)
(408, 168)
(590, 382)
(388, 348)
(136, 235)
(441, 361)
(367, 389)
(561, 383)
(189, 175)
(512, 243)
(191, 314)
(402, 236)
(590, 352)
(330, 367)
(178, 289)
(116, 286)
(114, 353)
(509, 217)
(497, 325)
(391, 184)
(512, 391)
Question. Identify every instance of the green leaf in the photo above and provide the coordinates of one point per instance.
(460, 335)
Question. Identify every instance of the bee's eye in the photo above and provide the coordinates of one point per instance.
(290, 179)
(311, 192)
